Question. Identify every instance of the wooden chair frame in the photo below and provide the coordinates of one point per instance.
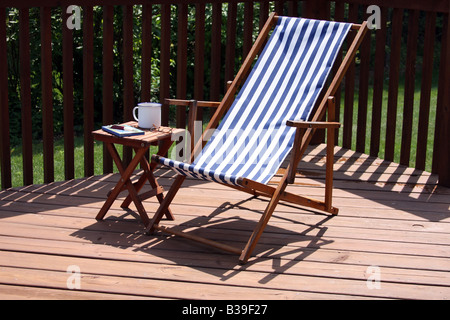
(304, 133)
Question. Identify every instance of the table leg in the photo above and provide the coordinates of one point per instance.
(138, 186)
(148, 175)
(125, 180)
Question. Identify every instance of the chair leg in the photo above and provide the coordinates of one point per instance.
(329, 171)
(165, 203)
(245, 255)
(330, 158)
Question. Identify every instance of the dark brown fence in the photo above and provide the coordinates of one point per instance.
(402, 69)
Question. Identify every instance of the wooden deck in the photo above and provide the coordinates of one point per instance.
(394, 224)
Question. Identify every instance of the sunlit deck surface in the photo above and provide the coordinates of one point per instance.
(392, 220)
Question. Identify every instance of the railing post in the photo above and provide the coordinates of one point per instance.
(182, 49)
(164, 90)
(425, 91)
(199, 49)
(47, 94)
(394, 74)
(108, 86)
(128, 96)
(442, 133)
(216, 65)
(378, 75)
(316, 9)
(231, 42)
(5, 157)
(25, 95)
(68, 94)
(88, 89)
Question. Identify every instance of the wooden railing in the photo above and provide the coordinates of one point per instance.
(411, 50)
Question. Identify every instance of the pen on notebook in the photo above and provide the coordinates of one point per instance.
(121, 127)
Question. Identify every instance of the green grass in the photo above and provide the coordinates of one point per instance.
(38, 175)
(59, 163)
(399, 124)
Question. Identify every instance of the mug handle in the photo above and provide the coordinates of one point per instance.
(134, 114)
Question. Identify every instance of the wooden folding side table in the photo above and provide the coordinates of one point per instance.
(140, 144)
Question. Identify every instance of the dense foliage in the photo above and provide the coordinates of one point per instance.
(57, 25)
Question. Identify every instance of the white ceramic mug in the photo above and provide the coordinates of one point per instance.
(149, 115)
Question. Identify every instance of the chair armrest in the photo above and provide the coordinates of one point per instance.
(313, 125)
(186, 103)
(192, 116)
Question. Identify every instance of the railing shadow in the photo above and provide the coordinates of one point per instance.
(386, 184)
(283, 244)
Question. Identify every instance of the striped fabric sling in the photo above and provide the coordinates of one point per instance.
(253, 140)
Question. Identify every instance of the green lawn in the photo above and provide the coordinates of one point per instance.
(16, 154)
(38, 160)
(399, 124)
(38, 174)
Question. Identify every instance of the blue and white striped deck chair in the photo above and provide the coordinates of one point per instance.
(268, 119)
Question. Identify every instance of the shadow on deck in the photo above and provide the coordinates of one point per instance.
(390, 239)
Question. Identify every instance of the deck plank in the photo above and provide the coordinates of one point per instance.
(391, 217)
